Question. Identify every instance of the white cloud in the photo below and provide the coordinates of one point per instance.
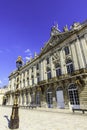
(0, 82)
(27, 58)
(28, 55)
(7, 50)
(27, 51)
(5, 79)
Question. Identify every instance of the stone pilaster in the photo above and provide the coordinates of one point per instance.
(62, 60)
(22, 81)
(44, 70)
(85, 36)
(24, 96)
(26, 79)
(30, 80)
(11, 84)
(19, 82)
(44, 97)
(20, 99)
(79, 53)
(28, 98)
(35, 76)
(52, 68)
(74, 56)
(41, 70)
(84, 49)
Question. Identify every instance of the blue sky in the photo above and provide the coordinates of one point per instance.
(25, 27)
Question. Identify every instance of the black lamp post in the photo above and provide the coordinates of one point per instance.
(14, 119)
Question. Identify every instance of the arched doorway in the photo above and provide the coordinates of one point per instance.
(73, 96)
(50, 97)
(60, 98)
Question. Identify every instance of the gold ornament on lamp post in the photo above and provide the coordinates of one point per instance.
(14, 119)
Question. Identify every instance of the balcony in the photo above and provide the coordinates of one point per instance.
(80, 71)
(42, 82)
(64, 77)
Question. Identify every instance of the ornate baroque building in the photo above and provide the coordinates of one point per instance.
(57, 77)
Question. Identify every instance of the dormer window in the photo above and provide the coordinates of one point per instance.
(66, 50)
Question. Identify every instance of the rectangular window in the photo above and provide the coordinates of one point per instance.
(70, 68)
(49, 75)
(66, 50)
(23, 74)
(58, 72)
(17, 79)
(37, 66)
(32, 69)
(24, 83)
(38, 79)
(27, 72)
(28, 82)
(32, 81)
(47, 60)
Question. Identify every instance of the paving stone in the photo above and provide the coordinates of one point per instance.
(45, 119)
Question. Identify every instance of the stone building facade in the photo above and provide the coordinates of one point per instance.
(2, 95)
(57, 77)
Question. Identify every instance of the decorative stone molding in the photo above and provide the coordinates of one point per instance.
(55, 57)
(80, 81)
(75, 26)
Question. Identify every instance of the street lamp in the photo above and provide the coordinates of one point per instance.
(14, 119)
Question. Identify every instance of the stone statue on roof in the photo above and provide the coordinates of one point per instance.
(55, 30)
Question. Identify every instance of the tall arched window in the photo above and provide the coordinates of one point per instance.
(73, 95)
(69, 65)
(38, 97)
(50, 97)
